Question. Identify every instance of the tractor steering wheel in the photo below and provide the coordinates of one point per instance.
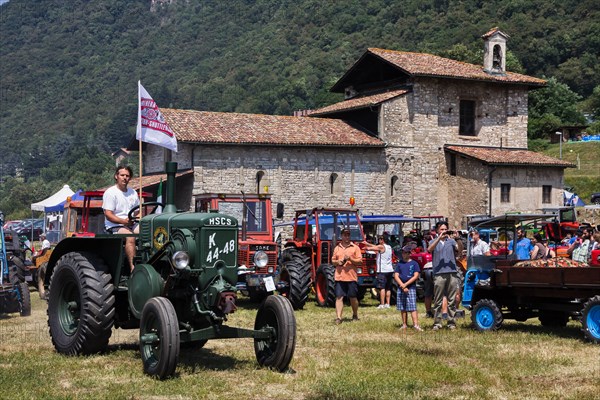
(132, 215)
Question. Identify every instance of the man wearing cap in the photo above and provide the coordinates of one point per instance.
(45, 242)
(346, 257)
(385, 270)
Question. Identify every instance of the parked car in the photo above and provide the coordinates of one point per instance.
(12, 224)
(35, 227)
(595, 198)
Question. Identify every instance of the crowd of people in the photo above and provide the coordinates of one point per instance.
(442, 276)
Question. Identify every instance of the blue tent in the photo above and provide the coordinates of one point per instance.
(61, 206)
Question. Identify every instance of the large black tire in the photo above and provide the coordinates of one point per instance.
(296, 272)
(24, 299)
(159, 338)
(41, 285)
(590, 319)
(486, 315)
(17, 270)
(21, 295)
(277, 314)
(325, 286)
(554, 319)
(81, 305)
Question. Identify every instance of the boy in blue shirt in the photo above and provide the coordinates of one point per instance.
(406, 273)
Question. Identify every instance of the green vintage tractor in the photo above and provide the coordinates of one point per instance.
(181, 291)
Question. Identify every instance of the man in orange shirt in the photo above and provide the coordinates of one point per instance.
(346, 257)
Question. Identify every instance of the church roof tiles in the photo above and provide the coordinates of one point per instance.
(508, 156)
(237, 128)
(423, 64)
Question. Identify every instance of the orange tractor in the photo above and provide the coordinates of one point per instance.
(306, 258)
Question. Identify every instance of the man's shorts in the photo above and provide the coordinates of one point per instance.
(427, 282)
(385, 280)
(346, 289)
(115, 229)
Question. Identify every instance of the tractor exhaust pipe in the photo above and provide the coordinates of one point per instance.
(171, 169)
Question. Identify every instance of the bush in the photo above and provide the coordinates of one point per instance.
(538, 144)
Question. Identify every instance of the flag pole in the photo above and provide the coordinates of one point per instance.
(140, 161)
(139, 135)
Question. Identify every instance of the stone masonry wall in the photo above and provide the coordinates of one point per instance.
(297, 177)
(415, 127)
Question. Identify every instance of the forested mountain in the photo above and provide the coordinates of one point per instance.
(69, 69)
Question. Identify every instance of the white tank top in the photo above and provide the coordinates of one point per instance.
(384, 260)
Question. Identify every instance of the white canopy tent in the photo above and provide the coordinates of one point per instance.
(53, 200)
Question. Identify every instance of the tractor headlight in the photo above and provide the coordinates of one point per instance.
(270, 270)
(359, 270)
(371, 271)
(181, 259)
(261, 259)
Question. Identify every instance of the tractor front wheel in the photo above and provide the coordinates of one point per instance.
(159, 338)
(276, 314)
(296, 272)
(81, 305)
(486, 315)
(325, 286)
(590, 319)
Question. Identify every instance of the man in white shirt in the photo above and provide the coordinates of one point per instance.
(117, 201)
(478, 246)
(385, 270)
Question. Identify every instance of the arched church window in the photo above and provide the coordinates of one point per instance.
(332, 183)
(497, 60)
(393, 183)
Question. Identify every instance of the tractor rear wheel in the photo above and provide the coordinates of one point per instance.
(325, 286)
(21, 295)
(81, 305)
(590, 319)
(555, 319)
(296, 272)
(486, 315)
(276, 314)
(159, 338)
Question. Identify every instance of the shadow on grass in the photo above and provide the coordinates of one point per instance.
(568, 332)
(207, 359)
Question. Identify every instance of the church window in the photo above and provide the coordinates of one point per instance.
(393, 183)
(332, 183)
(505, 193)
(467, 118)
(547, 194)
(259, 181)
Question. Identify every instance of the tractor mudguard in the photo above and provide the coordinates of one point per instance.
(109, 248)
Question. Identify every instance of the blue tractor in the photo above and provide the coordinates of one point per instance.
(14, 292)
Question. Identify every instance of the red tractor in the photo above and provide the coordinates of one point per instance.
(306, 259)
(257, 252)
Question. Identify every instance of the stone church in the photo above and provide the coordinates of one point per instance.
(416, 134)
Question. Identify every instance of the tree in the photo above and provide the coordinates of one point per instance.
(551, 107)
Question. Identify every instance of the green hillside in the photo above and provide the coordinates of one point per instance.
(69, 69)
(585, 178)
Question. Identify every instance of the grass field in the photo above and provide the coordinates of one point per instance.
(368, 359)
(585, 178)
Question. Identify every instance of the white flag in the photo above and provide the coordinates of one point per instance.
(151, 126)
